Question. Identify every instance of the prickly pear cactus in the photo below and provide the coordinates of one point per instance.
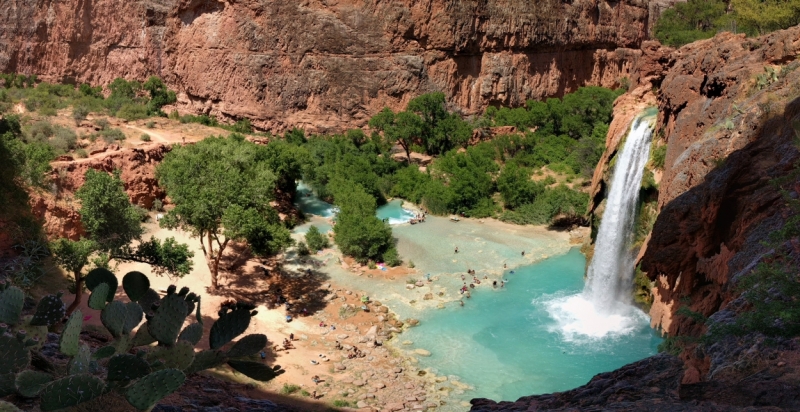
(232, 322)
(71, 333)
(149, 299)
(99, 275)
(38, 334)
(248, 345)
(80, 363)
(206, 359)
(256, 370)
(8, 407)
(97, 300)
(135, 285)
(127, 367)
(113, 316)
(150, 389)
(104, 352)
(179, 356)
(133, 317)
(11, 300)
(142, 337)
(166, 323)
(71, 391)
(7, 386)
(49, 311)
(14, 355)
(192, 333)
(29, 383)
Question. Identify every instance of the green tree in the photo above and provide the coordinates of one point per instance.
(316, 240)
(113, 225)
(222, 188)
(686, 22)
(358, 232)
(160, 95)
(764, 16)
(516, 187)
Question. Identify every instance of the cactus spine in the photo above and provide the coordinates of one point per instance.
(29, 383)
(71, 333)
(71, 391)
(49, 311)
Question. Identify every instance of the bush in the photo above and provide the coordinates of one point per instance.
(315, 240)
(289, 389)
(158, 205)
(151, 124)
(560, 200)
(79, 114)
(302, 249)
(133, 111)
(658, 156)
(81, 153)
(144, 137)
(40, 131)
(341, 403)
(102, 123)
(112, 135)
(391, 257)
(690, 21)
(63, 139)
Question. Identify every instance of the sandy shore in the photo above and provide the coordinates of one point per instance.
(383, 378)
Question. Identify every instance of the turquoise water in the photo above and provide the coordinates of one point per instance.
(310, 204)
(505, 344)
(394, 213)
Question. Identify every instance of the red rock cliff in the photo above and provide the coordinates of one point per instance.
(328, 64)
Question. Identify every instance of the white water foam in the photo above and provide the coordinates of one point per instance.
(603, 308)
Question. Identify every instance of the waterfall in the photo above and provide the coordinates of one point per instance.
(610, 272)
(603, 308)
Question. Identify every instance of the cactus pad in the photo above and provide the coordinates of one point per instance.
(97, 300)
(104, 352)
(146, 302)
(14, 356)
(7, 386)
(11, 301)
(8, 407)
(135, 285)
(153, 387)
(192, 333)
(36, 333)
(71, 333)
(71, 391)
(256, 370)
(29, 383)
(168, 319)
(49, 311)
(248, 345)
(113, 316)
(133, 317)
(229, 325)
(126, 367)
(99, 275)
(80, 363)
(206, 359)
(142, 337)
(179, 356)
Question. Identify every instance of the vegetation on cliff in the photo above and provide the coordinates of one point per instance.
(686, 22)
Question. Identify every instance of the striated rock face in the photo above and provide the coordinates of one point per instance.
(137, 171)
(326, 65)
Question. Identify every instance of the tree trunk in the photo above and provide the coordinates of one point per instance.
(78, 293)
(214, 263)
(407, 148)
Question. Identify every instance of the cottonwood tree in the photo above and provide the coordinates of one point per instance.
(112, 226)
(222, 188)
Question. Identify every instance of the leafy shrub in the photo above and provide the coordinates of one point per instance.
(560, 200)
(81, 153)
(315, 240)
(341, 403)
(112, 135)
(302, 249)
(151, 124)
(133, 111)
(158, 205)
(79, 114)
(63, 139)
(658, 156)
(144, 137)
(391, 257)
(102, 123)
(289, 389)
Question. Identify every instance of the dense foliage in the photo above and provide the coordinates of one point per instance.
(222, 188)
(694, 20)
(315, 240)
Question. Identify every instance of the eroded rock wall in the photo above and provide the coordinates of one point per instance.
(327, 65)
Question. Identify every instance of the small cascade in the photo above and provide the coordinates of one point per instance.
(603, 308)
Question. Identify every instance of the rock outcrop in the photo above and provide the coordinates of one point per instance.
(328, 65)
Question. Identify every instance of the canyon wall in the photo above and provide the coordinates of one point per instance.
(327, 65)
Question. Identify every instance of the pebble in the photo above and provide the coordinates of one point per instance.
(422, 352)
(359, 383)
(408, 342)
(378, 385)
(397, 370)
(361, 404)
(409, 386)
(340, 367)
